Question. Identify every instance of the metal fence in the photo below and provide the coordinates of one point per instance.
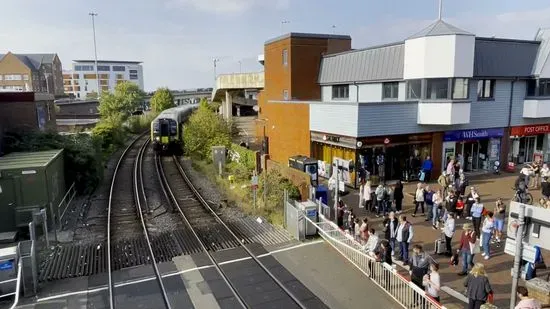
(401, 289)
(64, 205)
(294, 219)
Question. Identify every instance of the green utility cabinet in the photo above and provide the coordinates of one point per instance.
(30, 181)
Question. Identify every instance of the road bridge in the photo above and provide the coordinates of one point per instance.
(239, 89)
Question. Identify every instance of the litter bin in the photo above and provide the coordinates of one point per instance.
(8, 270)
(310, 210)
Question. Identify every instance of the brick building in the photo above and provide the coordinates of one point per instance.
(20, 111)
(291, 65)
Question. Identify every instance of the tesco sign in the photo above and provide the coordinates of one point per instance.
(530, 130)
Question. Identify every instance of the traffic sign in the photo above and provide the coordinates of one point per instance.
(528, 252)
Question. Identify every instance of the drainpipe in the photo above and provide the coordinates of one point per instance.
(510, 117)
(356, 152)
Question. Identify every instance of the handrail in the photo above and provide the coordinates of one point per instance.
(71, 188)
(18, 287)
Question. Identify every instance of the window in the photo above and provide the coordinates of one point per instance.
(104, 68)
(390, 90)
(531, 87)
(120, 76)
(83, 67)
(340, 91)
(485, 89)
(89, 76)
(104, 76)
(119, 68)
(537, 88)
(104, 82)
(25, 76)
(133, 71)
(437, 88)
(460, 88)
(544, 87)
(133, 76)
(1, 76)
(12, 77)
(285, 94)
(76, 76)
(414, 89)
(285, 57)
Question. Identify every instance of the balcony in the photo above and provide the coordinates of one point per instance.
(536, 107)
(443, 112)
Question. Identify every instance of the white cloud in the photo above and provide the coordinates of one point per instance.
(228, 6)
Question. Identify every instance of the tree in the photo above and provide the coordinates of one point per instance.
(161, 100)
(91, 95)
(205, 129)
(126, 98)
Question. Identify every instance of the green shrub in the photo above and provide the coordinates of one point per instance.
(140, 123)
(109, 135)
(83, 164)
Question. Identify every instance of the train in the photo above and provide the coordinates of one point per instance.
(167, 128)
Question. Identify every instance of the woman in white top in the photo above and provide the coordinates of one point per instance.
(487, 230)
(367, 195)
(449, 231)
(432, 282)
(437, 200)
(419, 199)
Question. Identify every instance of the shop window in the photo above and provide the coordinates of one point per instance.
(486, 89)
(460, 88)
(285, 57)
(390, 90)
(340, 92)
(437, 88)
(414, 89)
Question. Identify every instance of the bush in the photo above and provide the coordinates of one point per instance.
(83, 163)
(108, 135)
(140, 123)
(243, 162)
(203, 130)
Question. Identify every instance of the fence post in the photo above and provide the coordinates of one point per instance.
(285, 202)
(45, 226)
(33, 257)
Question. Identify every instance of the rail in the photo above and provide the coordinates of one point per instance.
(138, 183)
(109, 266)
(402, 290)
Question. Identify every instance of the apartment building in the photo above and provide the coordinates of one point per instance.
(82, 79)
(31, 72)
(442, 92)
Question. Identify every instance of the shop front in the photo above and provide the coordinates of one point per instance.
(476, 149)
(529, 142)
(326, 147)
(396, 157)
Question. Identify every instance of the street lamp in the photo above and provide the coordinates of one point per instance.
(240, 66)
(283, 23)
(216, 60)
(93, 15)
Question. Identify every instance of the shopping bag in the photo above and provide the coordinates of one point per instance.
(422, 176)
(475, 248)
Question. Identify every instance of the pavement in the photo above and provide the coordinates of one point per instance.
(312, 271)
(498, 267)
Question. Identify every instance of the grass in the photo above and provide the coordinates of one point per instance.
(240, 194)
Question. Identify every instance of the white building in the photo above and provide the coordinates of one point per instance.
(82, 79)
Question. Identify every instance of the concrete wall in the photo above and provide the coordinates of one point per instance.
(77, 109)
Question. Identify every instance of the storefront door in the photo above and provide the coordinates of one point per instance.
(470, 155)
(530, 146)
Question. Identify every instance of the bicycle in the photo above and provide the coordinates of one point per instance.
(523, 196)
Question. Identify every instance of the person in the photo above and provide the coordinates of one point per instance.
(380, 162)
(524, 176)
(384, 253)
(367, 196)
(460, 207)
(340, 215)
(476, 214)
(372, 244)
(427, 167)
(500, 216)
(451, 200)
(449, 230)
(437, 205)
(470, 200)
(432, 282)
(398, 196)
(487, 230)
(404, 237)
(351, 221)
(443, 182)
(428, 200)
(419, 265)
(467, 241)
(357, 229)
(536, 168)
(526, 302)
(477, 286)
(462, 183)
(364, 230)
(418, 199)
(450, 171)
(390, 230)
(380, 194)
(545, 182)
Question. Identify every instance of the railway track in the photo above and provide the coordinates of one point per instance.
(211, 232)
(127, 216)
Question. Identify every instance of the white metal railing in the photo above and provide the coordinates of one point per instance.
(66, 201)
(401, 289)
(18, 287)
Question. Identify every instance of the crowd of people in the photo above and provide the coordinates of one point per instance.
(482, 228)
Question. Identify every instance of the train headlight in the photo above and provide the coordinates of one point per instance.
(157, 138)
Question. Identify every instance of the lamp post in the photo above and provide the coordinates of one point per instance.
(93, 15)
(240, 66)
(283, 23)
(215, 60)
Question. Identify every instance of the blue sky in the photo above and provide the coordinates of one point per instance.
(177, 39)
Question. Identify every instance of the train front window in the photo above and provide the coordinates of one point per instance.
(164, 128)
(155, 128)
(173, 127)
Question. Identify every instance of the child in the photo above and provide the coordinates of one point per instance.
(356, 229)
(351, 221)
(459, 207)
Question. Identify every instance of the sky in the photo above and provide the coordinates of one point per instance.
(177, 40)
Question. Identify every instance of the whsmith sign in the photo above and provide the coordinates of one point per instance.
(463, 135)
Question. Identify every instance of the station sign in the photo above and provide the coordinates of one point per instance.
(528, 252)
(530, 130)
(7, 265)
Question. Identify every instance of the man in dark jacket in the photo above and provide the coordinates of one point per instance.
(390, 230)
(427, 167)
(428, 200)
